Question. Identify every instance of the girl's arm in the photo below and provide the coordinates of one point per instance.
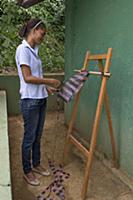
(29, 78)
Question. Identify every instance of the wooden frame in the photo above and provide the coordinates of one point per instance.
(103, 99)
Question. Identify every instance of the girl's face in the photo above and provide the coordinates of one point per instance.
(39, 35)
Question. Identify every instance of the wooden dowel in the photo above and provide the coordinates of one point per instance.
(100, 73)
(108, 74)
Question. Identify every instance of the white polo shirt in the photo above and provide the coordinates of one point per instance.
(25, 55)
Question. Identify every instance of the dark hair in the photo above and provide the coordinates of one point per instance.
(26, 28)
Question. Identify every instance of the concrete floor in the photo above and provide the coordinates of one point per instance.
(104, 185)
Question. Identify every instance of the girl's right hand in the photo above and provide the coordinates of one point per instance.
(51, 90)
(55, 83)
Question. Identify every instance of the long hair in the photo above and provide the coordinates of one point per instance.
(30, 25)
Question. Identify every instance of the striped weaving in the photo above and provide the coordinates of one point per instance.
(72, 86)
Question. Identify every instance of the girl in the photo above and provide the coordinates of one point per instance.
(34, 95)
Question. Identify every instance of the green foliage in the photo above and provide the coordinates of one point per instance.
(52, 49)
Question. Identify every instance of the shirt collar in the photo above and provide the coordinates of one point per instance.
(35, 50)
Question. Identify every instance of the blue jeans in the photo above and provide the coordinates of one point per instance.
(33, 111)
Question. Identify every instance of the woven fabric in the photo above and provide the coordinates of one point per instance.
(72, 86)
(57, 186)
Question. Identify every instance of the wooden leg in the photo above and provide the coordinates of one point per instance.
(66, 150)
(87, 176)
(107, 108)
(94, 137)
(71, 123)
(114, 157)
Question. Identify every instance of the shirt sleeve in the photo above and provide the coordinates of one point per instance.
(24, 56)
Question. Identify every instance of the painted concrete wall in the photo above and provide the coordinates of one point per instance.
(10, 83)
(97, 25)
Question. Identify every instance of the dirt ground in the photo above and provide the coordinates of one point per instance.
(104, 185)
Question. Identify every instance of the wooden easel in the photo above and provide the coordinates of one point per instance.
(103, 98)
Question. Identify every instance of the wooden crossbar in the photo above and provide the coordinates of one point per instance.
(102, 99)
(97, 57)
(79, 145)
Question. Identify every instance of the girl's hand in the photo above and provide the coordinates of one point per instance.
(51, 90)
(56, 83)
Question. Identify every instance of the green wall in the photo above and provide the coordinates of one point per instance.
(97, 25)
(10, 83)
